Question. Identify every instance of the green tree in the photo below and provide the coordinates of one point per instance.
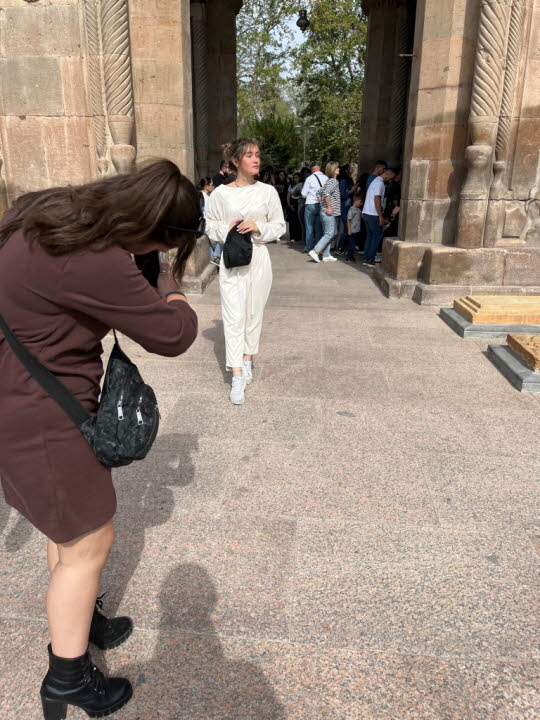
(279, 143)
(330, 77)
(262, 34)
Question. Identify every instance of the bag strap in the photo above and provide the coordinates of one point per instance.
(317, 179)
(57, 390)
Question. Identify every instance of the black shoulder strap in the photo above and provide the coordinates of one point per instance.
(318, 180)
(59, 392)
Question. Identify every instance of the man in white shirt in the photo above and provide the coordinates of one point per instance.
(313, 207)
(372, 215)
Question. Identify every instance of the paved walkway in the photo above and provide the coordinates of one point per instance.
(361, 540)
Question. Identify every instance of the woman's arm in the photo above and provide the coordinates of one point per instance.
(217, 228)
(274, 226)
(107, 286)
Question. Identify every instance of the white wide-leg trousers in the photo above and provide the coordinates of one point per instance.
(244, 294)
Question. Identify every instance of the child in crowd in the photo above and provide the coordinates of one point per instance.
(354, 224)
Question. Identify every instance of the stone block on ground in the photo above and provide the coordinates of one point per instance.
(527, 348)
(456, 266)
(522, 377)
(500, 309)
(467, 329)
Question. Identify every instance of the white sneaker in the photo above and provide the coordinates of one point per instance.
(247, 372)
(237, 391)
(330, 258)
(312, 254)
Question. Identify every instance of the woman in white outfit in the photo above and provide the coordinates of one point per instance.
(244, 290)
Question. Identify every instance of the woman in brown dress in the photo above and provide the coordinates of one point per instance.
(66, 278)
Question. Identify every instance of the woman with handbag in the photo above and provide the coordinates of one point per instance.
(66, 278)
(252, 209)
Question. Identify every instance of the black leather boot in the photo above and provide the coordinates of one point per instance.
(77, 681)
(108, 633)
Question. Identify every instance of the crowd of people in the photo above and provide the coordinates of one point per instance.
(335, 213)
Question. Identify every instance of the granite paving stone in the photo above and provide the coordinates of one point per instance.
(298, 481)
(502, 691)
(359, 541)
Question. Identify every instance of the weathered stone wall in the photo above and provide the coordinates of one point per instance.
(46, 128)
(161, 57)
(89, 86)
(437, 130)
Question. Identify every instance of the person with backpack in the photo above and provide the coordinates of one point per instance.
(67, 276)
(310, 192)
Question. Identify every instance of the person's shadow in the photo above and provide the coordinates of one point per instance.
(215, 334)
(189, 676)
(145, 499)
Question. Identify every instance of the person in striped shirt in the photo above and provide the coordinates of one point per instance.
(330, 213)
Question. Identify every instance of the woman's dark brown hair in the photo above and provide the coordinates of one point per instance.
(155, 203)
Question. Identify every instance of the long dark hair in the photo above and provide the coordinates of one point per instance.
(204, 182)
(154, 203)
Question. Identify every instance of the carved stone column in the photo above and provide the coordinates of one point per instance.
(118, 82)
(400, 84)
(483, 121)
(199, 50)
(95, 70)
(499, 187)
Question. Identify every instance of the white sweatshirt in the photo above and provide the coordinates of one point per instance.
(258, 202)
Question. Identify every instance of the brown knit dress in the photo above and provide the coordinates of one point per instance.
(61, 308)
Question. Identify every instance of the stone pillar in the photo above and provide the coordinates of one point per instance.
(94, 54)
(222, 123)
(483, 121)
(199, 49)
(499, 189)
(161, 57)
(118, 82)
(370, 100)
(437, 119)
(400, 85)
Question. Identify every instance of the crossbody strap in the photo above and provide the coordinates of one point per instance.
(59, 392)
(317, 179)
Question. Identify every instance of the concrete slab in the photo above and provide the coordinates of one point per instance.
(466, 329)
(521, 377)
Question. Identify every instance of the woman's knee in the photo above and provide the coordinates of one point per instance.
(90, 549)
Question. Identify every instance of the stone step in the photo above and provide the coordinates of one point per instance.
(527, 348)
(499, 309)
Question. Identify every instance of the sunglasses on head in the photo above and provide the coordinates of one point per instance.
(196, 227)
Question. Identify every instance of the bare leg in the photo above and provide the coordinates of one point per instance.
(248, 358)
(73, 588)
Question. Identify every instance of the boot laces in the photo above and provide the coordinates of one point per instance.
(95, 678)
(99, 601)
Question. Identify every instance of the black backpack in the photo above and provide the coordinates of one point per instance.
(127, 420)
(237, 249)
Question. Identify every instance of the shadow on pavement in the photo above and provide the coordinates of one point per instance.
(145, 500)
(190, 677)
(215, 334)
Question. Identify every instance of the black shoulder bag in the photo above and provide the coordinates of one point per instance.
(127, 420)
(238, 248)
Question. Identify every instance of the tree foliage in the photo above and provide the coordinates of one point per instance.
(278, 140)
(330, 77)
(262, 33)
(317, 85)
